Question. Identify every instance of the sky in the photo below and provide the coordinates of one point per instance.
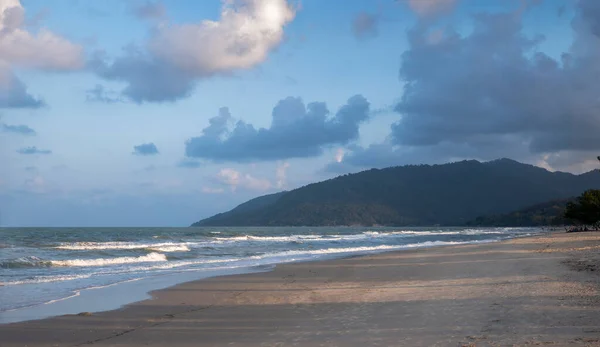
(161, 113)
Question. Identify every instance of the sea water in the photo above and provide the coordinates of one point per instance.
(51, 271)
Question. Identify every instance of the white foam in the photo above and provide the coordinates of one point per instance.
(366, 249)
(158, 247)
(169, 249)
(48, 279)
(351, 237)
(151, 257)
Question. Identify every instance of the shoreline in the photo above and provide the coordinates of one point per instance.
(555, 270)
(92, 299)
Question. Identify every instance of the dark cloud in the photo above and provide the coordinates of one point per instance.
(380, 155)
(13, 92)
(494, 82)
(18, 129)
(101, 94)
(148, 78)
(364, 25)
(33, 150)
(297, 130)
(590, 12)
(492, 94)
(189, 164)
(150, 10)
(145, 149)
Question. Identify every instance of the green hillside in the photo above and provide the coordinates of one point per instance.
(449, 194)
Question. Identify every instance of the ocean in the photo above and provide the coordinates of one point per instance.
(51, 271)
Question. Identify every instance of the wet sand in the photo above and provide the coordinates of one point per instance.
(524, 292)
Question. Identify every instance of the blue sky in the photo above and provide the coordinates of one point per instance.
(160, 113)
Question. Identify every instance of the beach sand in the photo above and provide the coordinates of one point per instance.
(524, 292)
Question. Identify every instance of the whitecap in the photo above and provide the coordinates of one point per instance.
(151, 257)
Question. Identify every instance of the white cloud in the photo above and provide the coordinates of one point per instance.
(44, 50)
(339, 155)
(280, 174)
(21, 48)
(235, 179)
(246, 32)
(177, 55)
(254, 183)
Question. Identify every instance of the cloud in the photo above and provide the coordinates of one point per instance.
(385, 154)
(364, 25)
(101, 94)
(495, 82)
(177, 55)
(33, 150)
(150, 10)
(19, 48)
(430, 7)
(235, 179)
(490, 94)
(44, 50)
(590, 12)
(18, 129)
(13, 92)
(296, 131)
(148, 79)
(339, 155)
(280, 174)
(145, 149)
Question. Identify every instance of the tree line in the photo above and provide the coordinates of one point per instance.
(585, 211)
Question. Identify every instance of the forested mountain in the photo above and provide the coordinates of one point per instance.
(449, 194)
(546, 214)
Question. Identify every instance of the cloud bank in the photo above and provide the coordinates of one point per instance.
(492, 93)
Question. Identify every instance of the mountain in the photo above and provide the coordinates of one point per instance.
(545, 214)
(449, 194)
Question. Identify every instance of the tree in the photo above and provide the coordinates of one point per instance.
(586, 209)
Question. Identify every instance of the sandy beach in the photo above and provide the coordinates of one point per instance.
(524, 292)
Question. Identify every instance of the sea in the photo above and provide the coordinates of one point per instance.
(53, 271)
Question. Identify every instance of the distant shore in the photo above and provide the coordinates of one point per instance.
(528, 291)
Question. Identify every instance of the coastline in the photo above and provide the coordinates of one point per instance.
(539, 289)
(110, 295)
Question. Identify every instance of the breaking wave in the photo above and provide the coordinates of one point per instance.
(157, 247)
(152, 257)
